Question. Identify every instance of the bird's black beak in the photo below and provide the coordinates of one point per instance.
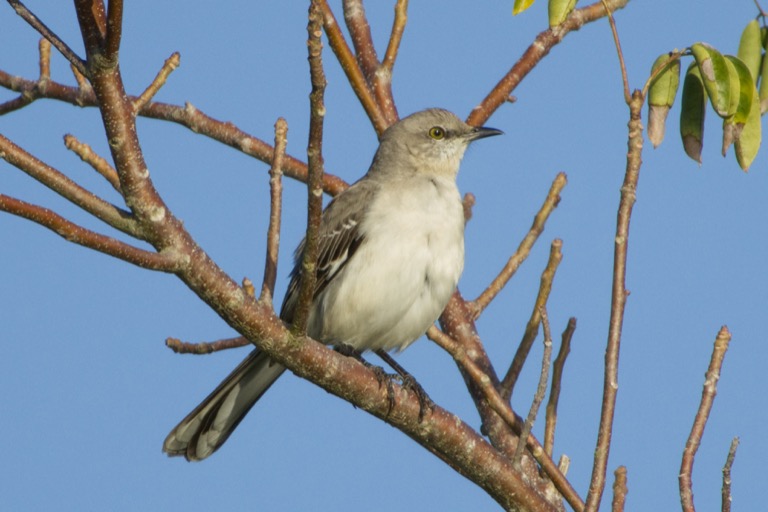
(482, 132)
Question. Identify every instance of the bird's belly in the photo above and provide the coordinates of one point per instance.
(401, 279)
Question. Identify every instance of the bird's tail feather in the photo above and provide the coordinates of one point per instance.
(209, 425)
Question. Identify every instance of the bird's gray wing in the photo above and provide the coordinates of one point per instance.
(340, 237)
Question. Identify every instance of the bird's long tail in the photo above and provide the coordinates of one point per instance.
(209, 425)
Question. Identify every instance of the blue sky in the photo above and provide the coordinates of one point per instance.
(91, 391)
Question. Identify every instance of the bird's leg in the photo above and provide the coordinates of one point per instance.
(409, 382)
(381, 375)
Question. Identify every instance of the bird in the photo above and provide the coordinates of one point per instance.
(391, 251)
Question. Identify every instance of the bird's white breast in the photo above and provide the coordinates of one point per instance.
(403, 274)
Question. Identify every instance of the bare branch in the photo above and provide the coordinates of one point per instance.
(557, 378)
(90, 157)
(275, 212)
(352, 69)
(315, 159)
(170, 64)
(541, 389)
(702, 415)
(550, 203)
(532, 328)
(184, 347)
(503, 409)
(539, 49)
(45, 60)
(726, 493)
(47, 33)
(618, 302)
(398, 27)
(617, 42)
(619, 489)
(163, 262)
(187, 116)
(68, 189)
(360, 32)
(379, 77)
(114, 29)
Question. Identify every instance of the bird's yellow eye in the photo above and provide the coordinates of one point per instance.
(437, 133)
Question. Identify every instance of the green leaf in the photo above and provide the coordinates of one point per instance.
(661, 95)
(750, 47)
(748, 142)
(764, 85)
(664, 86)
(520, 6)
(559, 10)
(692, 113)
(742, 93)
(715, 75)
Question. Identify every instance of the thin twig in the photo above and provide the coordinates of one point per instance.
(617, 42)
(541, 389)
(619, 489)
(205, 347)
(726, 492)
(315, 162)
(398, 28)
(163, 262)
(90, 157)
(557, 379)
(532, 328)
(550, 203)
(47, 33)
(275, 212)
(170, 64)
(44, 47)
(55, 180)
(503, 409)
(702, 415)
(618, 302)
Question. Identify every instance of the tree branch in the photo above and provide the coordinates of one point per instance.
(702, 415)
(315, 160)
(275, 212)
(550, 203)
(187, 116)
(618, 301)
(68, 189)
(726, 492)
(539, 49)
(163, 262)
(205, 347)
(352, 69)
(90, 157)
(557, 379)
(532, 328)
(47, 33)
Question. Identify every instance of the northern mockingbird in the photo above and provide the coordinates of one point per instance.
(391, 253)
